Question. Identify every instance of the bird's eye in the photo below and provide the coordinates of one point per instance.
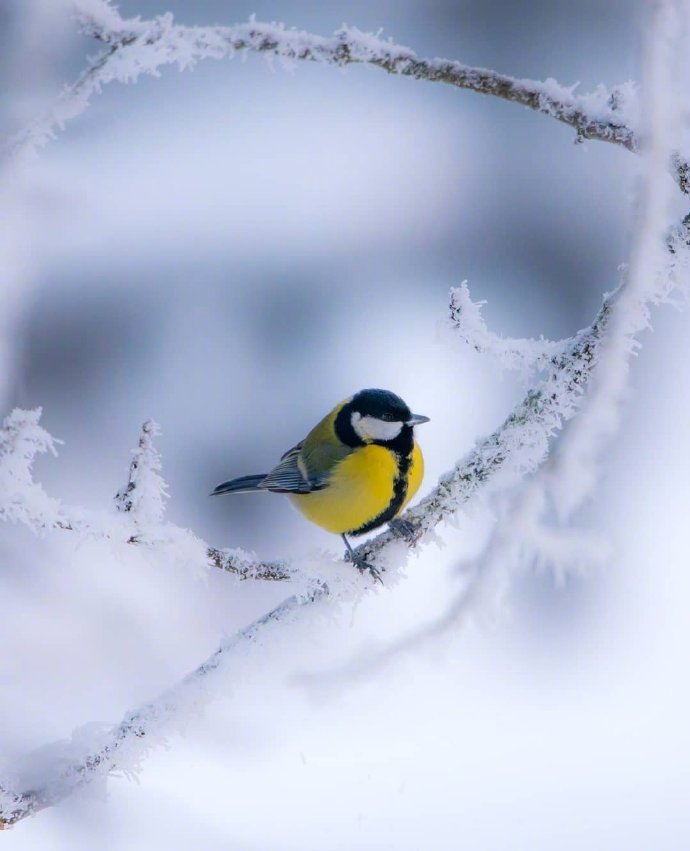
(387, 418)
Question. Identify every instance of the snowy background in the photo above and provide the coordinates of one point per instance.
(233, 250)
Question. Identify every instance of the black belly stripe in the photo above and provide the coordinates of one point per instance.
(399, 493)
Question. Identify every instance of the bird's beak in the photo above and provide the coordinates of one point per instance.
(417, 419)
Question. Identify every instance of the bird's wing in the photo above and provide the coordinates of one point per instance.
(289, 476)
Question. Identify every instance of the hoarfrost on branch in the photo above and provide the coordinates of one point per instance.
(584, 374)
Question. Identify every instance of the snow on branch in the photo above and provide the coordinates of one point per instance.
(145, 493)
(659, 268)
(138, 519)
(516, 447)
(134, 46)
(588, 364)
(467, 328)
(89, 755)
(21, 499)
(519, 445)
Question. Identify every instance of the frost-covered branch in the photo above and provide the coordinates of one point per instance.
(521, 442)
(21, 499)
(466, 327)
(138, 519)
(519, 446)
(659, 268)
(658, 263)
(510, 451)
(143, 499)
(87, 757)
(134, 46)
(520, 536)
(146, 491)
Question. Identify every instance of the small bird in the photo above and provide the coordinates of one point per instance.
(356, 470)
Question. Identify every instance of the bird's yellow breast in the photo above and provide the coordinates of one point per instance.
(360, 488)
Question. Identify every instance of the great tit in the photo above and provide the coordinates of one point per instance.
(356, 470)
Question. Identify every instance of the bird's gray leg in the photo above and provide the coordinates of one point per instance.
(359, 562)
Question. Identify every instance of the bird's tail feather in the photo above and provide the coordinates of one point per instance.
(241, 485)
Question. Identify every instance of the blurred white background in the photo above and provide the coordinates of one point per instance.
(231, 251)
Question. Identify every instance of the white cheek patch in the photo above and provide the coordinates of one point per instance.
(371, 428)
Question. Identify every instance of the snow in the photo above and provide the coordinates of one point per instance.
(658, 272)
(466, 327)
(146, 491)
(21, 499)
(137, 47)
(501, 460)
(596, 357)
(522, 537)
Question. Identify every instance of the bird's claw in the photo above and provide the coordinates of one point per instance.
(373, 572)
(362, 564)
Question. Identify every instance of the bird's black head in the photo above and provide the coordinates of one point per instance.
(377, 416)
